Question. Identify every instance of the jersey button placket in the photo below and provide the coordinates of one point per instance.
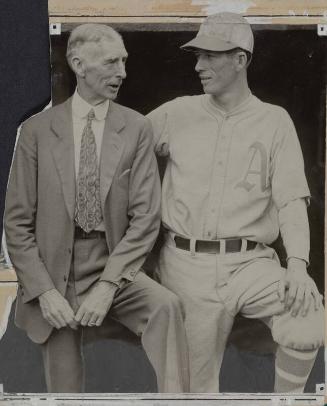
(216, 186)
(221, 171)
(209, 225)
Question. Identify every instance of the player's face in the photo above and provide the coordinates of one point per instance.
(216, 71)
(103, 67)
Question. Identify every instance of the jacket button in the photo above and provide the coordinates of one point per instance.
(69, 250)
(65, 278)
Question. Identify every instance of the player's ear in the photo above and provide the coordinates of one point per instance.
(241, 60)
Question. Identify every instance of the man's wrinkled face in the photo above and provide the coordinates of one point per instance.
(216, 71)
(103, 66)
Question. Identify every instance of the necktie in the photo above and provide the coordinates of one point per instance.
(88, 207)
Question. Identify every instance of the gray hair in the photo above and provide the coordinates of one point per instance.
(89, 33)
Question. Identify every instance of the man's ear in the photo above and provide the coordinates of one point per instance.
(77, 65)
(241, 60)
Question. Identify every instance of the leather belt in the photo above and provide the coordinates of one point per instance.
(214, 247)
(80, 234)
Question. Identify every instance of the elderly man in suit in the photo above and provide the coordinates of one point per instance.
(82, 212)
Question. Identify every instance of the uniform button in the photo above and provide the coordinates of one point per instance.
(69, 250)
(65, 278)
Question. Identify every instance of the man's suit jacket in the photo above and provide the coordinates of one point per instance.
(40, 201)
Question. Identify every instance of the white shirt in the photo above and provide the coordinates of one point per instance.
(80, 110)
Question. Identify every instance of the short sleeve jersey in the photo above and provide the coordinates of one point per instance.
(227, 174)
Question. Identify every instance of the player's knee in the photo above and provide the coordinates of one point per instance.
(300, 333)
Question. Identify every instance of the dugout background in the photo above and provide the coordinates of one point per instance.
(288, 68)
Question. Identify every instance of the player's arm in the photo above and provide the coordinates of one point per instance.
(290, 193)
(297, 289)
(160, 128)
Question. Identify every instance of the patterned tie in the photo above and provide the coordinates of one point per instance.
(88, 207)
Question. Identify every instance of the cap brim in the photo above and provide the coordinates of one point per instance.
(208, 44)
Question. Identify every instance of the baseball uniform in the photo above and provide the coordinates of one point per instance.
(237, 178)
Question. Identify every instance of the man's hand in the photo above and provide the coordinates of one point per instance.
(96, 305)
(56, 310)
(301, 288)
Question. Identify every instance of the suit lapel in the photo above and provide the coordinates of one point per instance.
(111, 149)
(64, 153)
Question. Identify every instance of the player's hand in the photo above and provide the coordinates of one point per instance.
(96, 304)
(56, 310)
(298, 289)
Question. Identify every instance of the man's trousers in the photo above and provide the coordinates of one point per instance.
(143, 306)
(214, 288)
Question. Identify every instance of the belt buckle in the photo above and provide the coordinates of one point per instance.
(208, 246)
(235, 245)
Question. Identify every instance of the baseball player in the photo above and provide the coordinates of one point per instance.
(234, 180)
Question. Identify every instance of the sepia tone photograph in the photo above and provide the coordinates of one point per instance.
(164, 214)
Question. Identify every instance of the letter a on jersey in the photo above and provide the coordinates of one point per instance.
(258, 148)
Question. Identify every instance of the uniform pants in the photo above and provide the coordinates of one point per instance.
(214, 288)
(143, 306)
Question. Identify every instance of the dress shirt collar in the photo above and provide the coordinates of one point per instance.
(81, 108)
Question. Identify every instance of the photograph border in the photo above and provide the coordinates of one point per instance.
(187, 14)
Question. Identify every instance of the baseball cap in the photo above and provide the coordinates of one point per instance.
(222, 32)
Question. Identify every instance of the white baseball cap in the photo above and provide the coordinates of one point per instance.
(222, 32)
